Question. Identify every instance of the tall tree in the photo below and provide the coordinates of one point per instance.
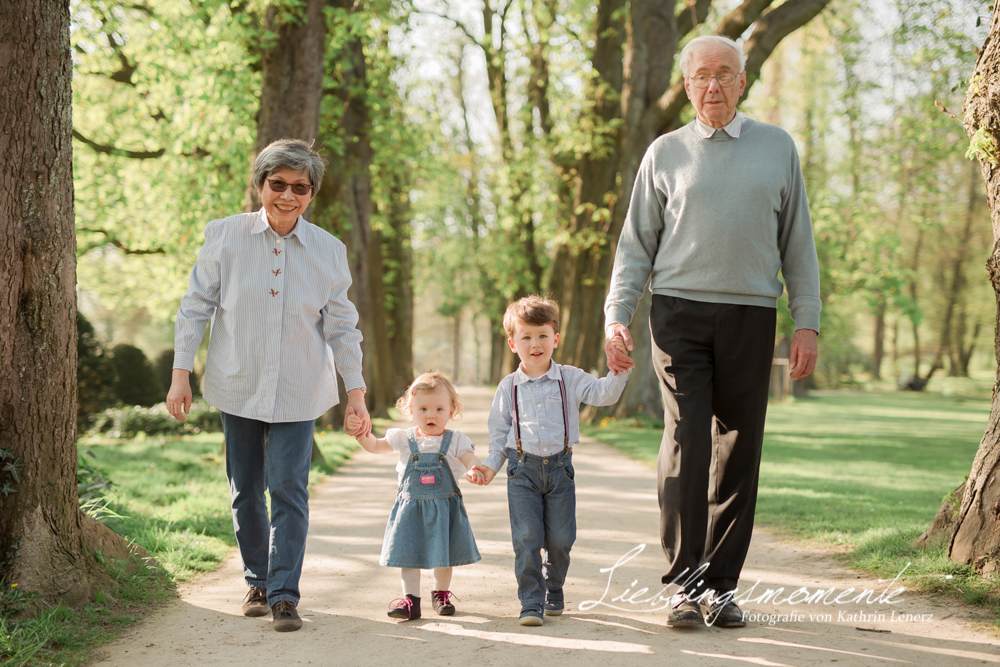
(292, 86)
(976, 535)
(43, 533)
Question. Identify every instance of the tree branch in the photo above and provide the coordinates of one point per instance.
(773, 27)
(110, 239)
(458, 24)
(111, 150)
(693, 15)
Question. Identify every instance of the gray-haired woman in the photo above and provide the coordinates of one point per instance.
(275, 287)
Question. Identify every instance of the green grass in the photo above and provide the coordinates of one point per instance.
(864, 473)
(172, 498)
(166, 494)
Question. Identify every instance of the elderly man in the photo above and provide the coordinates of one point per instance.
(718, 208)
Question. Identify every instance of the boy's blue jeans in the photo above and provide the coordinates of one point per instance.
(274, 457)
(541, 497)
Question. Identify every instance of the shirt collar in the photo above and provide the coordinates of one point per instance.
(732, 129)
(301, 230)
(520, 377)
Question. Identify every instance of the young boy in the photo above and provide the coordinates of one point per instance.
(534, 422)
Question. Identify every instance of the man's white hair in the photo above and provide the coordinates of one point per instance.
(704, 41)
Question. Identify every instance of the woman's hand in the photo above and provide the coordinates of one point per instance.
(179, 396)
(356, 408)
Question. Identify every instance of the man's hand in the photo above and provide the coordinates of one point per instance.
(487, 474)
(802, 358)
(618, 360)
(179, 397)
(356, 407)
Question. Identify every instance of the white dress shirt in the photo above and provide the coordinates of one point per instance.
(280, 316)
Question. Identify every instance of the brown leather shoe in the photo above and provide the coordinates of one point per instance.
(255, 603)
(685, 613)
(285, 618)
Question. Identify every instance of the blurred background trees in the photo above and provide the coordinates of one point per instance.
(483, 151)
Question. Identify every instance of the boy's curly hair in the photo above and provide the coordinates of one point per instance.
(533, 310)
(428, 383)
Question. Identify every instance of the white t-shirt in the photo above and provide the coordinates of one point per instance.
(460, 444)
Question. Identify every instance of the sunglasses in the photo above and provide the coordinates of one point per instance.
(300, 189)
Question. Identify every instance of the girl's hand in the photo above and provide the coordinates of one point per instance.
(352, 422)
(487, 474)
(475, 476)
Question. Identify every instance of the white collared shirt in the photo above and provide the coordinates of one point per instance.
(732, 128)
(540, 412)
(280, 317)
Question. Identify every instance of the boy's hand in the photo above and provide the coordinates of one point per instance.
(475, 476)
(618, 337)
(487, 474)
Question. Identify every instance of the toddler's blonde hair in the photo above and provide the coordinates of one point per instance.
(428, 383)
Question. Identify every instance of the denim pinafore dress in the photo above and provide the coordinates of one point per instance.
(428, 526)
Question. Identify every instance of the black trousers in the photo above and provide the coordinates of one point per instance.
(714, 362)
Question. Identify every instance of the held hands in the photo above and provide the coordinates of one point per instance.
(480, 474)
(356, 408)
(617, 347)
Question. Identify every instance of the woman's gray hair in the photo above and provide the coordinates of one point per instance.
(293, 154)
(710, 40)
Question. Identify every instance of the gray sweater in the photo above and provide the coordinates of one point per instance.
(714, 220)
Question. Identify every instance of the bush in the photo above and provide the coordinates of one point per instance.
(128, 422)
(95, 374)
(164, 367)
(137, 382)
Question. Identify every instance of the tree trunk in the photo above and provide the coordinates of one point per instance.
(879, 342)
(343, 207)
(398, 254)
(43, 534)
(976, 538)
(292, 79)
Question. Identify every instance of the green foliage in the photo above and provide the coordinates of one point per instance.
(62, 636)
(982, 147)
(95, 374)
(128, 422)
(136, 383)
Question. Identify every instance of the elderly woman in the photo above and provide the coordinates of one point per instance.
(275, 287)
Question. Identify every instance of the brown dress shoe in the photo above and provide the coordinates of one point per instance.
(686, 613)
(285, 618)
(255, 603)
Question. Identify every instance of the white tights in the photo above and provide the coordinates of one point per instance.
(411, 580)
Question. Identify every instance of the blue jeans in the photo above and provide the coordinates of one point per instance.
(272, 457)
(541, 497)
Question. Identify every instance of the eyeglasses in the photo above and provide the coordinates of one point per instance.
(725, 79)
(301, 189)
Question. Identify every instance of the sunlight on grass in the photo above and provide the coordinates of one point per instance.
(862, 471)
(172, 496)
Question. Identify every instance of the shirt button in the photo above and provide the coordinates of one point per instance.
(279, 241)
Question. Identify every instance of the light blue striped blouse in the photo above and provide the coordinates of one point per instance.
(280, 316)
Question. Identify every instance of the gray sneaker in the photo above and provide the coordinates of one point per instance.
(255, 603)
(685, 613)
(286, 619)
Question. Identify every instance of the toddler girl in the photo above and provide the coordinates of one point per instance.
(428, 526)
